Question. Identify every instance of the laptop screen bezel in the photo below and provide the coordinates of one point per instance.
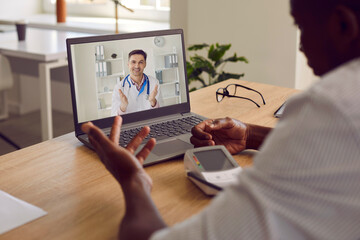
(136, 116)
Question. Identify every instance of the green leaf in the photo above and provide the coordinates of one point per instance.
(202, 64)
(192, 89)
(218, 63)
(189, 68)
(196, 47)
(194, 73)
(224, 76)
(235, 58)
(216, 53)
(198, 65)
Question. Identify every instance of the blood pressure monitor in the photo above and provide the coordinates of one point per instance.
(211, 168)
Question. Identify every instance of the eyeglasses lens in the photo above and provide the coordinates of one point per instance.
(231, 89)
(220, 94)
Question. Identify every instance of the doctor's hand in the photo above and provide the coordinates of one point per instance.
(121, 162)
(152, 96)
(124, 101)
(235, 135)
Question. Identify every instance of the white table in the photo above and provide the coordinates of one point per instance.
(48, 48)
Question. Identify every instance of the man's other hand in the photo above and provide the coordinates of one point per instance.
(121, 162)
(226, 131)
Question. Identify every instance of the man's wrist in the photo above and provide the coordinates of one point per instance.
(137, 182)
(137, 185)
(255, 135)
(140, 209)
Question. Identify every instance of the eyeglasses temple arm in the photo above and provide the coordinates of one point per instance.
(238, 85)
(245, 99)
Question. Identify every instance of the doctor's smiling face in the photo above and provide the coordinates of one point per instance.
(136, 64)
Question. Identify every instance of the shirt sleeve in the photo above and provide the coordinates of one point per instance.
(304, 183)
(231, 215)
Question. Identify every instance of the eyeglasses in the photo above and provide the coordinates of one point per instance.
(230, 91)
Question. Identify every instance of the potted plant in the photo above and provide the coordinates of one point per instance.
(212, 65)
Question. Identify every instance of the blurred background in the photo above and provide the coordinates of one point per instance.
(262, 31)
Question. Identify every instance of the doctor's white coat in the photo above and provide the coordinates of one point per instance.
(136, 102)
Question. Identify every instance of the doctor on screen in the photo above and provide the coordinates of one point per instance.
(137, 91)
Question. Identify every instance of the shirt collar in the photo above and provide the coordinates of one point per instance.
(138, 86)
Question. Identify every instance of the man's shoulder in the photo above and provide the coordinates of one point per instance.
(334, 96)
(342, 77)
(340, 86)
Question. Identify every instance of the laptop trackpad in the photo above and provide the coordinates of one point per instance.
(170, 147)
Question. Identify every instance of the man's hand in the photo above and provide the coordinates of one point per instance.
(123, 100)
(121, 162)
(152, 96)
(236, 136)
(141, 216)
(226, 131)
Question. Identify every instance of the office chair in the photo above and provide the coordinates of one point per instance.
(6, 82)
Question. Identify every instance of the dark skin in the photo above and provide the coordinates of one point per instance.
(236, 136)
(329, 38)
(127, 169)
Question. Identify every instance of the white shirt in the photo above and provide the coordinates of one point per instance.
(136, 101)
(305, 181)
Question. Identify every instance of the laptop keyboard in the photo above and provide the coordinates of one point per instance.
(162, 130)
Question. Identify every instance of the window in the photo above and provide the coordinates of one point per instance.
(157, 10)
(149, 4)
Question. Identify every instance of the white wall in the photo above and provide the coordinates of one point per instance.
(304, 76)
(262, 31)
(21, 8)
(179, 15)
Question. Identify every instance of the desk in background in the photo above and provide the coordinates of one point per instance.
(95, 25)
(84, 201)
(48, 49)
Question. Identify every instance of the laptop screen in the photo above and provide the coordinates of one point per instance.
(137, 76)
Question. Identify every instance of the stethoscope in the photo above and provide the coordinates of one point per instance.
(146, 83)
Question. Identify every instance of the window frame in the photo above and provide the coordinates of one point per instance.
(108, 10)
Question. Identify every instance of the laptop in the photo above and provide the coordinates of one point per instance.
(98, 68)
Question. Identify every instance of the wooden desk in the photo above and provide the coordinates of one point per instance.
(83, 200)
(48, 49)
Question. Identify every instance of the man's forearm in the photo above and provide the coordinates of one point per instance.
(256, 135)
(141, 217)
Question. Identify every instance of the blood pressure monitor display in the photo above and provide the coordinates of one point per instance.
(214, 160)
(211, 168)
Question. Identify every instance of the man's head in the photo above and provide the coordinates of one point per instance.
(330, 31)
(137, 63)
